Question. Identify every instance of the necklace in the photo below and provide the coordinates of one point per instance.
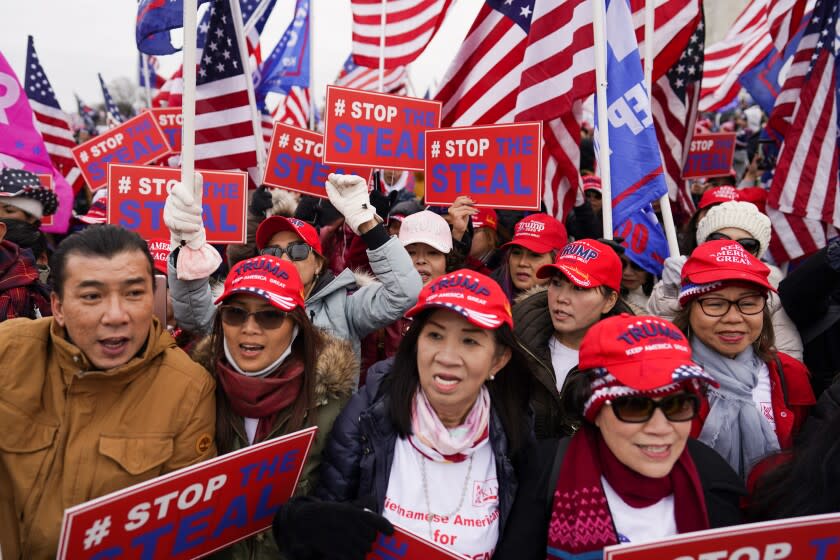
(426, 491)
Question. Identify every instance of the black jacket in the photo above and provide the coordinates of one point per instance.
(358, 457)
(806, 294)
(526, 536)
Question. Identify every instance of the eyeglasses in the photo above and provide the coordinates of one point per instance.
(681, 407)
(718, 307)
(748, 243)
(297, 251)
(265, 318)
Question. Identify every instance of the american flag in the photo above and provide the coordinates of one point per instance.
(261, 10)
(409, 26)
(746, 44)
(784, 19)
(533, 60)
(224, 133)
(172, 92)
(674, 102)
(803, 202)
(295, 107)
(360, 77)
(87, 115)
(113, 116)
(50, 120)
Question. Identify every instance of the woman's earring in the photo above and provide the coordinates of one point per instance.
(493, 377)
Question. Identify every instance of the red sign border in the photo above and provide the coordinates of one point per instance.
(615, 552)
(376, 94)
(540, 186)
(81, 167)
(295, 189)
(731, 156)
(47, 220)
(69, 513)
(210, 240)
(158, 110)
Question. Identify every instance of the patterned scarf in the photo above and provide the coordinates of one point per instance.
(581, 523)
(262, 397)
(438, 443)
(20, 290)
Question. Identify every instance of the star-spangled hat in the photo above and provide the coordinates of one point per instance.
(23, 189)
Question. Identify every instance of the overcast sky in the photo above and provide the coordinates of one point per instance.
(75, 39)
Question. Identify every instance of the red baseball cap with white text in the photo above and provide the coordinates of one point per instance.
(273, 279)
(715, 263)
(539, 233)
(275, 224)
(475, 296)
(587, 263)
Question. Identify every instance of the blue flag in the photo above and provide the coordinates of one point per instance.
(155, 19)
(288, 63)
(637, 174)
(764, 80)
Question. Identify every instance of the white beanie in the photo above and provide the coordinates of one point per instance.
(31, 206)
(426, 227)
(736, 214)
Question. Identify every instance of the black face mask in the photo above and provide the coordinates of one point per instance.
(23, 234)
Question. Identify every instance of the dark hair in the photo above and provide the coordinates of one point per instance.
(803, 480)
(306, 345)
(504, 279)
(576, 391)
(104, 241)
(764, 346)
(509, 391)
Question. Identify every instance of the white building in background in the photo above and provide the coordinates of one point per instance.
(720, 15)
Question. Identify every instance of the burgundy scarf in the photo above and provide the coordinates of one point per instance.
(581, 522)
(262, 397)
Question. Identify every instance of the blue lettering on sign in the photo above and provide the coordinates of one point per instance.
(149, 541)
(523, 145)
(263, 508)
(389, 548)
(344, 143)
(173, 135)
(711, 161)
(96, 171)
(220, 190)
(131, 218)
(113, 552)
(421, 118)
(822, 546)
(282, 170)
(188, 528)
(472, 179)
(129, 212)
(236, 515)
(384, 143)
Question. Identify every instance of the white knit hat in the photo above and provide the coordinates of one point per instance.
(736, 214)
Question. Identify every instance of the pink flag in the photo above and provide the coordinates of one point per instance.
(22, 147)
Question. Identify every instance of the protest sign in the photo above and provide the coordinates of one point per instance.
(295, 162)
(803, 538)
(137, 193)
(190, 512)
(137, 141)
(47, 182)
(170, 120)
(710, 155)
(498, 166)
(376, 129)
(405, 545)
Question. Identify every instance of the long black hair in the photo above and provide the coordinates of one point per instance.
(509, 391)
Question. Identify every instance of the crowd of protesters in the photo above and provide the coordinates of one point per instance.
(437, 350)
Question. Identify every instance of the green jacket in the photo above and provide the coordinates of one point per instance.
(337, 370)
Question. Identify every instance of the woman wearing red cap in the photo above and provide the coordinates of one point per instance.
(275, 373)
(630, 473)
(764, 395)
(583, 285)
(536, 241)
(427, 443)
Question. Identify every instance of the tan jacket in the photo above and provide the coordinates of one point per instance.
(68, 435)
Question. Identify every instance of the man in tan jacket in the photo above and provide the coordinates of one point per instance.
(97, 397)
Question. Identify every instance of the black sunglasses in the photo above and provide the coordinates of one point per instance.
(297, 251)
(748, 243)
(265, 318)
(681, 407)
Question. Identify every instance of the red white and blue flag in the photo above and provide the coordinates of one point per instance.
(224, 132)
(359, 77)
(113, 115)
(51, 121)
(409, 26)
(803, 203)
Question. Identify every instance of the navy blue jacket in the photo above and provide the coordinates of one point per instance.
(358, 456)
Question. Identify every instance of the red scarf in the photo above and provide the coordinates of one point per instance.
(581, 521)
(262, 397)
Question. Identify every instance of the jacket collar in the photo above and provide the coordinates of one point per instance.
(74, 364)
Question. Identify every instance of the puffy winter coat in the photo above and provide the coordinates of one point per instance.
(360, 451)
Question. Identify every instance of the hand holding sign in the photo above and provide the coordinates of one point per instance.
(349, 195)
(182, 215)
(301, 526)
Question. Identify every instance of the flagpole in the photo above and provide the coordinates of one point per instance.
(255, 15)
(311, 17)
(144, 59)
(664, 201)
(188, 100)
(598, 23)
(249, 82)
(382, 23)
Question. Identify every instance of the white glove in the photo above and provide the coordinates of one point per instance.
(671, 274)
(182, 214)
(349, 195)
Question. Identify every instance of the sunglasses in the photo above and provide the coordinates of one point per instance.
(266, 318)
(680, 407)
(748, 243)
(297, 251)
